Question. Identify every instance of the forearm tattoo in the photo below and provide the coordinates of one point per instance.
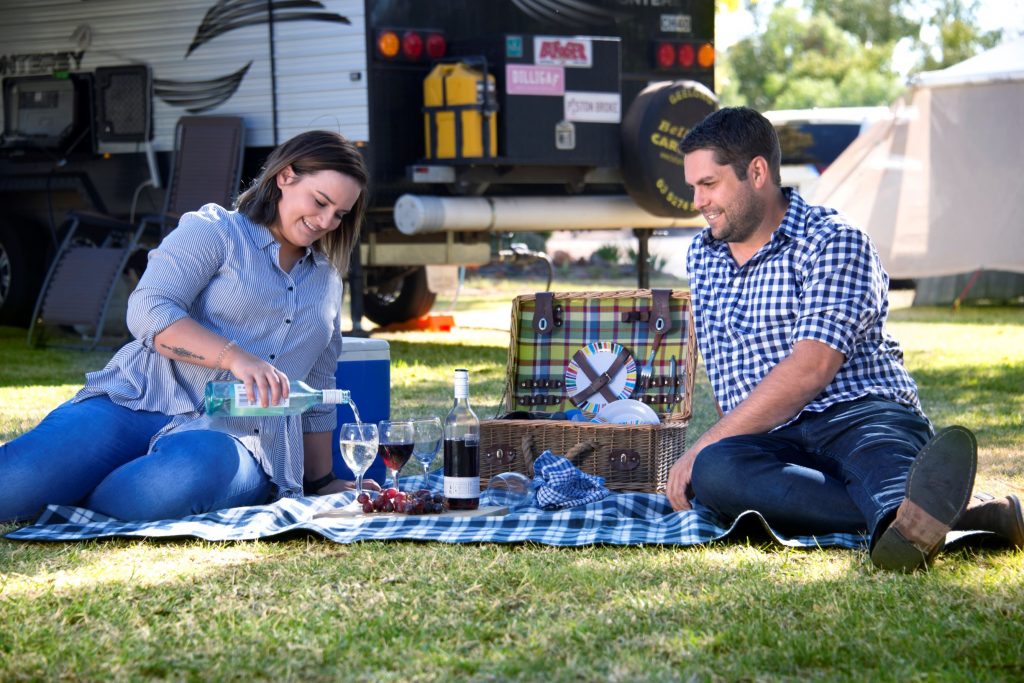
(182, 352)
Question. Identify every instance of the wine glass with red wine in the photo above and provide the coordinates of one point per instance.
(396, 444)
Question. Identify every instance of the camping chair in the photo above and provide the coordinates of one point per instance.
(82, 279)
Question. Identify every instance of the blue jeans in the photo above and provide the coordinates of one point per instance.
(94, 454)
(841, 470)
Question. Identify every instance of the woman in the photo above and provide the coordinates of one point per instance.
(253, 293)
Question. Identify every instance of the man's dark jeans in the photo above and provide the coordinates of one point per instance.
(841, 470)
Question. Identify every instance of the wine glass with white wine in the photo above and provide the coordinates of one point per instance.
(358, 442)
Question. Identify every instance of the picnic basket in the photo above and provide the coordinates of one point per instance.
(548, 333)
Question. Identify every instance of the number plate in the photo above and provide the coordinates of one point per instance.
(676, 23)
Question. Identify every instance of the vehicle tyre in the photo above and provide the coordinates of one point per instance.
(396, 295)
(654, 125)
(19, 279)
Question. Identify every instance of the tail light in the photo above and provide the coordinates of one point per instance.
(686, 54)
(666, 55)
(410, 45)
(388, 44)
(672, 54)
(706, 55)
(436, 46)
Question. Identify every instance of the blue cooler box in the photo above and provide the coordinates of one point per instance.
(364, 368)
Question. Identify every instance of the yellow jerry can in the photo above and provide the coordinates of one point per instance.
(459, 113)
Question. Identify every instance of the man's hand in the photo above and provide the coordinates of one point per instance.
(679, 480)
(782, 394)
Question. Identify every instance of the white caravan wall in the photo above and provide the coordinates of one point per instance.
(321, 66)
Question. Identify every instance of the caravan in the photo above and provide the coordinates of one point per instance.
(566, 94)
(811, 139)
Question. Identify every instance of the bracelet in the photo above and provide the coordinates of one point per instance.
(220, 356)
(311, 487)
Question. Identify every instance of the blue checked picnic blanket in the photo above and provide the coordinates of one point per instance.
(618, 519)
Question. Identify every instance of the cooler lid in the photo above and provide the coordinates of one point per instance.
(359, 348)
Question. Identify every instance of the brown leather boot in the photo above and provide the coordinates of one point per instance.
(939, 485)
(1002, 516)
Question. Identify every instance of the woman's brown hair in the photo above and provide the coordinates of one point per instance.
(312, 152)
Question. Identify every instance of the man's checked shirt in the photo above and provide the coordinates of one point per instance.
(817, 278)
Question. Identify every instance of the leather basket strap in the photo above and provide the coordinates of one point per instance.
(598, 382)
(544, 314)
(661, 314)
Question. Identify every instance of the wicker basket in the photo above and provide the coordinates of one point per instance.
(629, 457)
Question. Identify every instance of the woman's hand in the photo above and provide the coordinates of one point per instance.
(185, 340)
(260, 377)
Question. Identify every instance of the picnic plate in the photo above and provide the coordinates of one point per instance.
(600, 356)
(354, 511)
(627, 412)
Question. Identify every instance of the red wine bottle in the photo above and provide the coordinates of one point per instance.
(462, 450)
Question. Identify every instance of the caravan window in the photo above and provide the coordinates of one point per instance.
(815, 143)
(811, 139)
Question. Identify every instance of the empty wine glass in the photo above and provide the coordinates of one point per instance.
(509, 489)
(396, 439)
(358, 442)
(427, 441)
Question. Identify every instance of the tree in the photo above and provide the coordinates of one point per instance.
(803, 60)
(832, 53)
(875, 22)
(956, 35)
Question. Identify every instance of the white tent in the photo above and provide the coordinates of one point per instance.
(940, 186)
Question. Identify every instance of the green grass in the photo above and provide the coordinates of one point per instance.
(303, 608)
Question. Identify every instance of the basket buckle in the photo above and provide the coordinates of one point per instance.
(623, 460)
(502, 455)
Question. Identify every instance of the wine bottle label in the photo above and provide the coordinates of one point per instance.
(335, 396)
(462, 487)
(242, 399)
(461, 384)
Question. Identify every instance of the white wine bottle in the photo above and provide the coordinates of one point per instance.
(228, 399)
(462, 450)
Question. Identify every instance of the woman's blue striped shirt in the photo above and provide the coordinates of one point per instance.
(222, 270)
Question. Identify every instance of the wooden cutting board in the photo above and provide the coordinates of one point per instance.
(354, 511)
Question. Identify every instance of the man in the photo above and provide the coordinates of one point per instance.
(821, 429)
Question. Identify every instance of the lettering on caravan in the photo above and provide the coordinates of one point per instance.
(40, 63)
(559, 51)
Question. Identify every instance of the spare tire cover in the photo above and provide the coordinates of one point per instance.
(655, 124)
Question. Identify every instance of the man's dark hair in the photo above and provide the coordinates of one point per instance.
(736, 135)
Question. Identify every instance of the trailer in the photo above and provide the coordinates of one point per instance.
(477, 117)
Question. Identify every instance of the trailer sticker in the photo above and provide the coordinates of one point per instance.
(228, 15)
(514, 47)
(555, 51)
(593, 107)
(524, 79)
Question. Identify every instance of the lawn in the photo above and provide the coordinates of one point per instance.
(307, 609)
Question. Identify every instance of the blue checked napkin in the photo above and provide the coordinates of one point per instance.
(560, 484)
